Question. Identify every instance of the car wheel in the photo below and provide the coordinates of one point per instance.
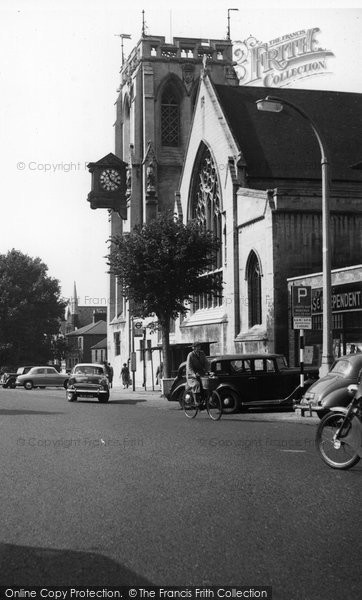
(230, 401)
(71, 397)
(28, 385)
(65, 384)
(103, 398)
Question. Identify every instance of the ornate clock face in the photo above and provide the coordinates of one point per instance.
(110, 180)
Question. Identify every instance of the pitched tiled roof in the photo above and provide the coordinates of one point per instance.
(98, 328)
(101, 344)
(282, 145)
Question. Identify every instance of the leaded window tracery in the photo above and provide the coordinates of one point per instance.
(170, 118)
(206, 209)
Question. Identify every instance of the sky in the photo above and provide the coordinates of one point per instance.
(59, 74)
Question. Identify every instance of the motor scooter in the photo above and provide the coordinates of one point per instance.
(339, 434)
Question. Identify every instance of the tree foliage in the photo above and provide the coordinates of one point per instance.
(30, 309)
(160, 265)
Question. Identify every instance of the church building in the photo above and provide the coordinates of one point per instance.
(157, 95)
(195, 141)
(255, 179)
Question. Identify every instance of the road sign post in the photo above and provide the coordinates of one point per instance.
(302, 318)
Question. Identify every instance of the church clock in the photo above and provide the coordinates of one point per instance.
(109, 184)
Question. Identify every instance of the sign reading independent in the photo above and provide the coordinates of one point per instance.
(302, 306)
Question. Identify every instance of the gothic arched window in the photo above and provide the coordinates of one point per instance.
(206, 209)
(170, 117)
(253, 276)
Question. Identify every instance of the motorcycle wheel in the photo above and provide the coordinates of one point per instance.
(336, 454)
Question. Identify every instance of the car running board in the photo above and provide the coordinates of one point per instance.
(264, 403)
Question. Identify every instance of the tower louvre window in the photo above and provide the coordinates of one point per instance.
(170, 119)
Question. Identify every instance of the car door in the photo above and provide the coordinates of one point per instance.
(38, 376)
(239, 375)
(53, 377)
(269, 381)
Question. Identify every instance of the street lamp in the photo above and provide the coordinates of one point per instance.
(274, 104)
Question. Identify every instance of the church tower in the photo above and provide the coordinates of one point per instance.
(159, 83)
(157, 94)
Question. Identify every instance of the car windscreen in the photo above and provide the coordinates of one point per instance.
(88, 370)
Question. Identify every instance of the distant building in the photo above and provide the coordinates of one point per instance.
(99, 351)
(77, 316)
(81, 341)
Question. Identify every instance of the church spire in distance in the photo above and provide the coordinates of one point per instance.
(74, 302)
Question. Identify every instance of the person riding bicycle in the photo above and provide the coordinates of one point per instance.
(197, 365)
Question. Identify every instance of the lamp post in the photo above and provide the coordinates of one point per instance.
(274, 104)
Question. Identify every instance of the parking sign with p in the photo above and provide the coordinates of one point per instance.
(302, 306)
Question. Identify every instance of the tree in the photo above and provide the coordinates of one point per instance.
(160, 265)
(30, 309)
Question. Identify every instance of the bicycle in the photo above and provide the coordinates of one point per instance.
(209, 399)
(339, 434)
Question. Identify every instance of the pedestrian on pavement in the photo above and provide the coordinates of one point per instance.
(126, 380)
(197, 365)
(106, 368)
(110, 374)
(159, 373)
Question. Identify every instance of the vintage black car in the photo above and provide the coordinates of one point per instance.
(332, 390)
(250, 381)
(88, 380)
(8, 380)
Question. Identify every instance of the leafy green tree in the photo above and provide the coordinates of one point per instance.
(160, 265)
(30, 309)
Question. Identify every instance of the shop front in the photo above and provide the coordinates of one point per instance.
(346, 301)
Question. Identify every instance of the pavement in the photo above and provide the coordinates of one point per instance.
(154, 399)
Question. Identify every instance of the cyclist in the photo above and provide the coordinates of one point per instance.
(197, 365)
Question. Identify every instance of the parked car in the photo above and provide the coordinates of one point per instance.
(250, 381)
(8, 380)
(42, 377)
(88, 380)
(332, 390)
